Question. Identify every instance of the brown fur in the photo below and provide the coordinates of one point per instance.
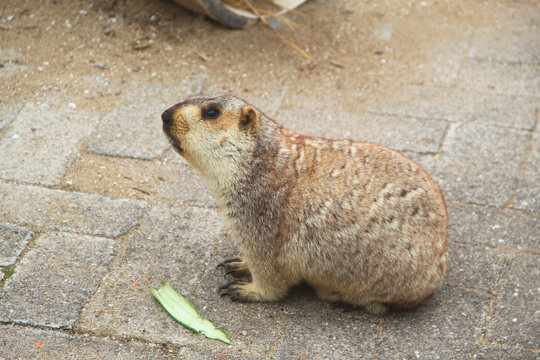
(359, 222)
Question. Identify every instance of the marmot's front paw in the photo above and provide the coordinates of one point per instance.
(235, 267)
(241, 291)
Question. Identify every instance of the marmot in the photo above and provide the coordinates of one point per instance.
(360, 223)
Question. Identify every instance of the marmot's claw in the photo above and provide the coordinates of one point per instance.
(229, 273)
(226, 286)
(234, 290)
(235, 267)
(227, 261)
(340, 305)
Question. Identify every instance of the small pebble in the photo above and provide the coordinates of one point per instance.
(243, 332)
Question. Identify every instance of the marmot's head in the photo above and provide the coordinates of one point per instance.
(211, 131)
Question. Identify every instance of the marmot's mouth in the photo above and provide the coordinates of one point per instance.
(178, 148)
(175, 143)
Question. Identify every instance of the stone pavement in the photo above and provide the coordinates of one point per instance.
(95, 207)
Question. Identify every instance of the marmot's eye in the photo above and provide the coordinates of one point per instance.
(210, 113)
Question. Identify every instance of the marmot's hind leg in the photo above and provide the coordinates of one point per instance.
(337, 298)
(235, 267)
(328, 294)
(376, 308)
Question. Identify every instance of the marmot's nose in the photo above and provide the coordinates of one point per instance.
(167, 117)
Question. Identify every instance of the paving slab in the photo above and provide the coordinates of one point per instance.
(173, 244)
(181, 238)
(69, 211)
(133, 128)
(446, 327)
(514, 38)
(516, 319)
(11, 62)
(473, 267)
(267, 98)
(500, 77)
(182, 183)
(499, 44)
(328, 338)
(167, 180)
(467, 169)
(490, 352)
(55, 280)
(20, 343)
(8, 113)
(253, 329)
(43, 141)
(399, 133)
(191, 354)
(435, 61)
(528, 191)
(441, 64)
(459, 105)
(427, 161)
(13, 240)
(482, 225)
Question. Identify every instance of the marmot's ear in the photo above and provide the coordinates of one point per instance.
(249, 120)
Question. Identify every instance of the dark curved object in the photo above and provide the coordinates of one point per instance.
(214, 9)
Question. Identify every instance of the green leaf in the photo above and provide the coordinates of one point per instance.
(183, 312)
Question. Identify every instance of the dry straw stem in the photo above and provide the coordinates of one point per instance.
(239, 4)
(287, 22)
(242, 6)
(281, 6)
(278, 34)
